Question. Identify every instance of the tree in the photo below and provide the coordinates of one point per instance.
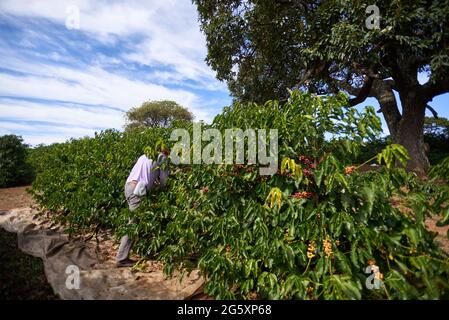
(156, 114)
(262, 47)
(436, 136)
(14, 168)
(436, 126)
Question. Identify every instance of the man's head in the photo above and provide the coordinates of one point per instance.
(165, 151)
(159, 147)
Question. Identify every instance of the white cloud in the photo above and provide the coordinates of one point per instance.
(92, 85)
(45, 139)
(42, 129)
(35, 134)
(96, 117)
(169, 30)
(161, 34)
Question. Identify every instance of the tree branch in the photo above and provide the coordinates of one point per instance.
(434, 88)
(347, 87)
(383, 92)
(363, 92)
(391, 83)
(435, 114)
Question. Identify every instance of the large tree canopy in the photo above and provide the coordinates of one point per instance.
(262, 47)
(156, 114)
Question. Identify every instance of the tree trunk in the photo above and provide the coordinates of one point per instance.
(410, 133)
(406, 129)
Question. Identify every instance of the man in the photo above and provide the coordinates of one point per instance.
(146, 172)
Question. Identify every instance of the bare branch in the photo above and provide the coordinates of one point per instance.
(391, 83)
(435, 114)
(363, 92)
(434, 88)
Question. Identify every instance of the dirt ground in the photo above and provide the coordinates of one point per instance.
(17, 197)
(442, 237)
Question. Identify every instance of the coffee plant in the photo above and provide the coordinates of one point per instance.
(310, 231)
(83, 180)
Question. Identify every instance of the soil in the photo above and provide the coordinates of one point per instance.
(17, 197)
(442, 232)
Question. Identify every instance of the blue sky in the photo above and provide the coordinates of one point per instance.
(57, 82)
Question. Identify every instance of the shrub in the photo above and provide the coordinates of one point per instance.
(308, 232)
(83, 179)
(14, 169)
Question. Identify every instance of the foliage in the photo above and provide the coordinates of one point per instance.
(14, 169)
(83, 179)
(436, 126)
(436, 134)
(263, 47)
(390, 154)
(441, 170)
(307, 232)
(156, 114)
(438, 148)
(372, 148)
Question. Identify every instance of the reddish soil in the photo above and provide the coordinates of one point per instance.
(17, 197)
(442, 237)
